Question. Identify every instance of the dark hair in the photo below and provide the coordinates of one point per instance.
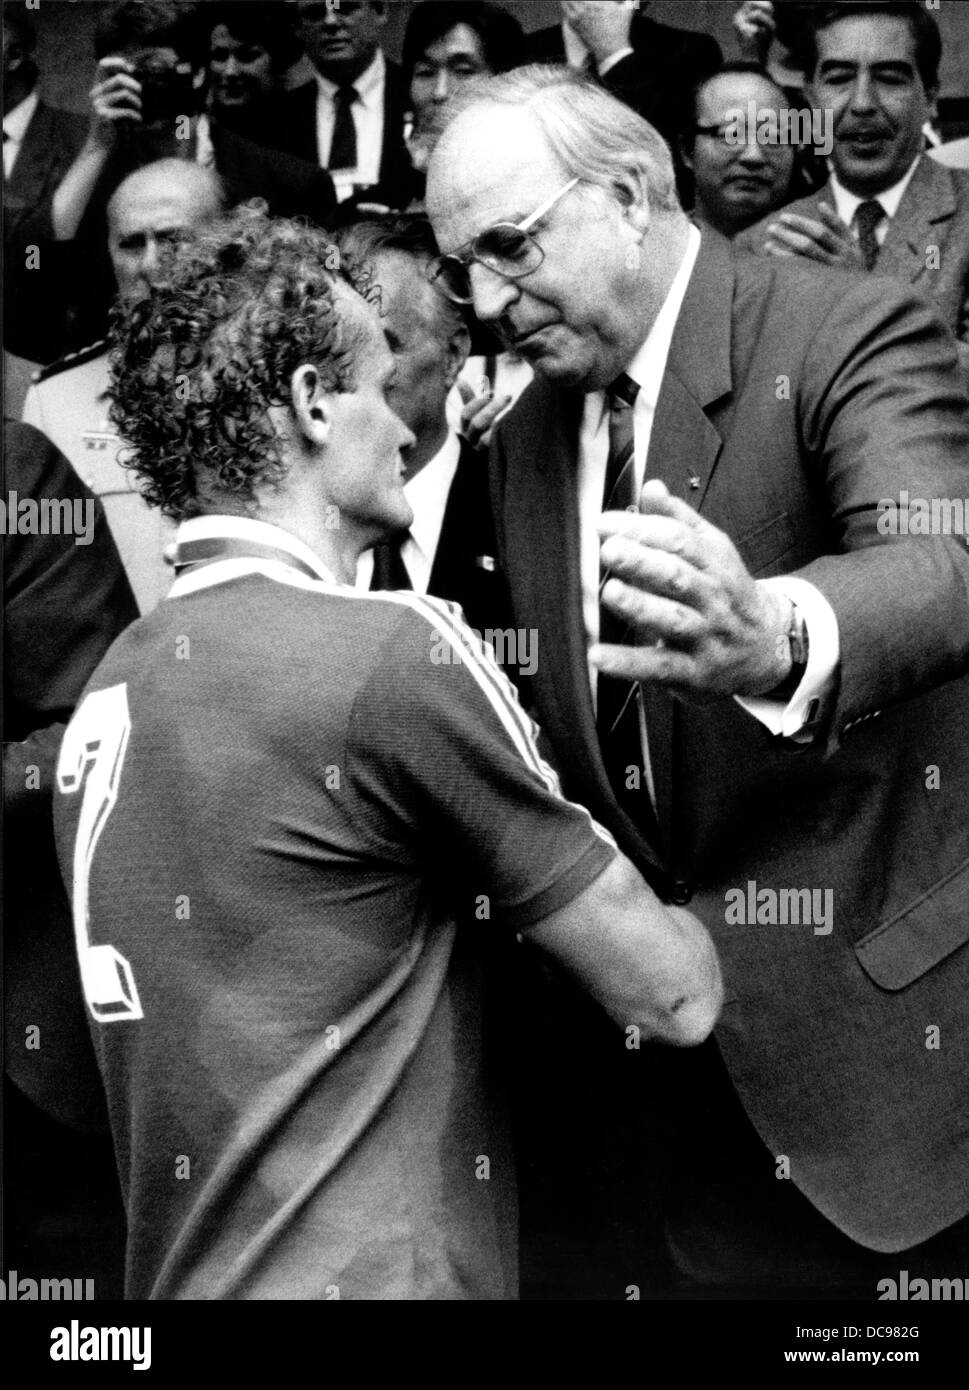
(16, 20)
(925, 33)
(502, 37)
(409, 233)
(152, 24)
(197, 364)
(268, 24)
(738, 65)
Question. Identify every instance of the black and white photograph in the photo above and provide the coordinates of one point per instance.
(486, 666)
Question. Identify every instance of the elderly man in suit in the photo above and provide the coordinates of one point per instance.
(350, 119)
(753, 670)
(887, 207)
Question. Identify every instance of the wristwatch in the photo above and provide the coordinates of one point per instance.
(797, 636)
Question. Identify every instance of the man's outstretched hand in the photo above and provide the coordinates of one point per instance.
(700, 624)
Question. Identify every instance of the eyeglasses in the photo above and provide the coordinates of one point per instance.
(507, 248)
(769, 135)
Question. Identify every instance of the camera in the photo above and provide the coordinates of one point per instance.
(166, 90)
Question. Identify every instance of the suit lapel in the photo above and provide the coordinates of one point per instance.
(927, 201)
(28, 182)
(541, 526)
(684, 448)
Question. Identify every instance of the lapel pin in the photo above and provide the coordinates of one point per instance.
(694, 482)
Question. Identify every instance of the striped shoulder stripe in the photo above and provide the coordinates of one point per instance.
(479, 659)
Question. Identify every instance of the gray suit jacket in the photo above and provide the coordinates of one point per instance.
(794, 400)
(927, 244)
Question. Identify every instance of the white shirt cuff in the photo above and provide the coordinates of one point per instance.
(613, 59)
(824, 652)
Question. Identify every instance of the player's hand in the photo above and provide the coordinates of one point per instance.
(480, 414)
(115, 102)
(602, 25)
(829, 241)
(753, 23)
(701, 625)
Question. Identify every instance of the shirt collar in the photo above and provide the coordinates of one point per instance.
(369, 84)
(576, 52)
(649, 362)
(847, 204)
(427, 492)
(245, 528)
(15, 122)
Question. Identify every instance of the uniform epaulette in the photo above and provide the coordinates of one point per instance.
(71, 359)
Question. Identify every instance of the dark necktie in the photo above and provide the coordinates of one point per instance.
(343, 146)
(867, 217)
(389, 570)
(617, 700)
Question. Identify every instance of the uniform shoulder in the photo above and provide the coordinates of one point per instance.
(70, 361)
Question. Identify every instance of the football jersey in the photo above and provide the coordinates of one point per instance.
(289, 812)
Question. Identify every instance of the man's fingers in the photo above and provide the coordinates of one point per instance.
(653, 617)
(638, 530)
(659, 664)
(655, 571)
(833, 222)
(795, 242)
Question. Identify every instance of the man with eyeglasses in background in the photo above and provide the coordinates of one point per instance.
(716, 649)
(738, 178)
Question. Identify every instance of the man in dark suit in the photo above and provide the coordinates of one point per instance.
(652, 67)
(65, 601)
(39, 144)
(350, 119)
(449, 551)
(887, 207)
(758, 680)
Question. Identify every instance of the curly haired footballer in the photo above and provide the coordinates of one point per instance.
(199, 361)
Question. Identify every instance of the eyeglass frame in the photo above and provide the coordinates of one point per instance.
(469, 257)
(720, 130)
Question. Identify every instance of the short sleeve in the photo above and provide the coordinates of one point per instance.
(445, 769)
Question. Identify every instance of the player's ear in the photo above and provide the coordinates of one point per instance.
(312, 406)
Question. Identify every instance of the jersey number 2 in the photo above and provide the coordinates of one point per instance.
(91, 756)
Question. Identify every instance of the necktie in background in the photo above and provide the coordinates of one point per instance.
(389, 570)
(343, 146)
(867, 217)
(617, 700)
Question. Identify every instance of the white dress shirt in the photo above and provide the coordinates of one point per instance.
(15, 124)
(647, 369)
(428, 493)
(847, 204)
(368, 120)
(577, 53)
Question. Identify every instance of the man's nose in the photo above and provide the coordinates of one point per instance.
(442, 87)
(148, 264)
(863, 94)
(492, 293)
(231, 66)
(751, 152)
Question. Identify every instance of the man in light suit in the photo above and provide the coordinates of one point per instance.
(887, 207)
(777, 661)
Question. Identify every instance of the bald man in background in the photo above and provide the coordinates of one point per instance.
(153, 208)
